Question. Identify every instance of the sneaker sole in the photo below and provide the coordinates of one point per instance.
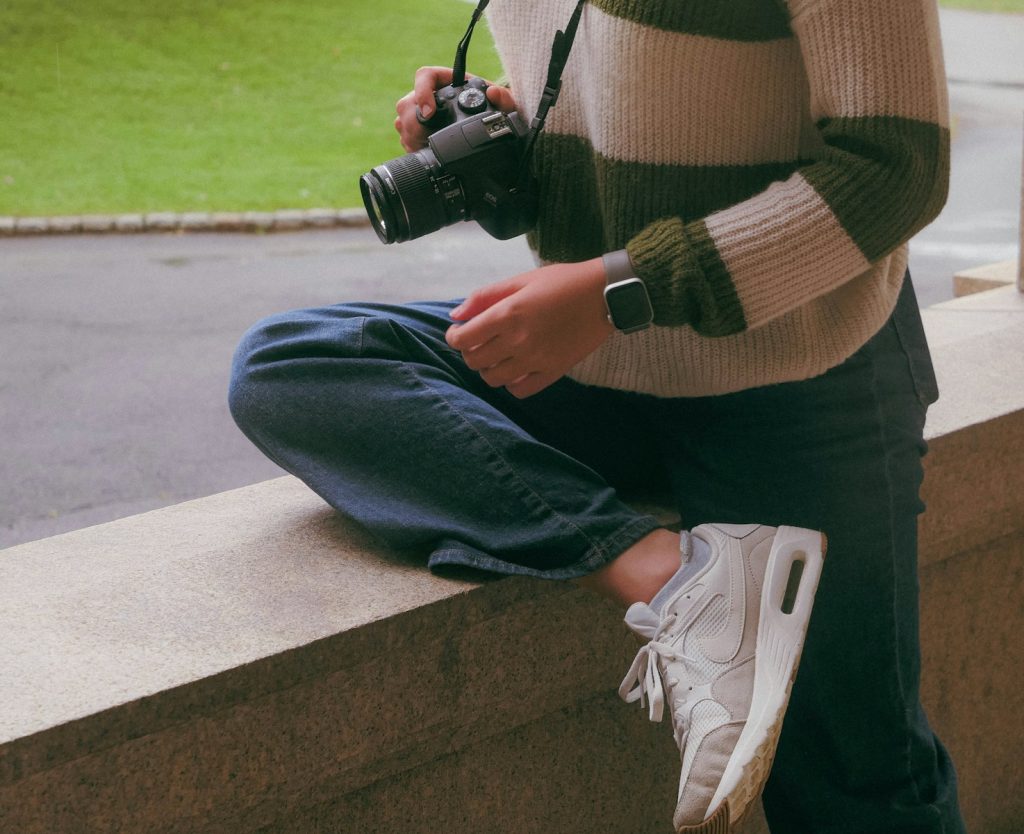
(782, 626)
(717, 823)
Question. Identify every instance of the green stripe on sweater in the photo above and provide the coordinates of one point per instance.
(576, 181)
(687, 280)
(737, 20)
(884, 177)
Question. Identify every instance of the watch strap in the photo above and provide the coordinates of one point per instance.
(617, 266)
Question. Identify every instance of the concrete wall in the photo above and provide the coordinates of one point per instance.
(250, 662)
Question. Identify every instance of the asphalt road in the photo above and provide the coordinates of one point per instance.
(114, 355)
(114, 351)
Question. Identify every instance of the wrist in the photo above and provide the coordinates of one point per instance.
(596, 280)
(628, 304)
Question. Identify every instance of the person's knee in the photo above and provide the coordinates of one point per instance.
(248, 358)
(278, 350)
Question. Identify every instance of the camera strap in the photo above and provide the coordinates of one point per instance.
(459, 65)
(560, 50)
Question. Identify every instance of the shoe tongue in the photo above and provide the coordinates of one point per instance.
(642, 620)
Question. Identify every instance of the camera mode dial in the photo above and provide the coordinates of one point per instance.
(472, 100)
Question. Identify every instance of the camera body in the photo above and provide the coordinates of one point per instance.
(470, 170)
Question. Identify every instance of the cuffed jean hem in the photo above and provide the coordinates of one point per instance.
(450, 554)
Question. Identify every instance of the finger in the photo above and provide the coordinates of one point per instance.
(501, 97)
(487, 355)
(531, 384)
(481, 330)
(412, 134)
(427, 80)
(485, 298)
(507, 373)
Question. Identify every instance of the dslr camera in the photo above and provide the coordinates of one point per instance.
(473, 168)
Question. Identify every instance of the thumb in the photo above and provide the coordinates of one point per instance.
(484, 298)
(501, 97)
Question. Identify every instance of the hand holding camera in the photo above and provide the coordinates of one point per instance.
(417, 108)
(468, 161)
(469, 151)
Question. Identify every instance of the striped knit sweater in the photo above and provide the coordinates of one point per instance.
(764, 162)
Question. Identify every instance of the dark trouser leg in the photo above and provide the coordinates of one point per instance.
(841, 453)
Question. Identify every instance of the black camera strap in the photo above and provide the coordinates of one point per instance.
(552, 86)
(459, 65)
(560, 50)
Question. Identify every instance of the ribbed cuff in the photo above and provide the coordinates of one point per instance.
(686, 279)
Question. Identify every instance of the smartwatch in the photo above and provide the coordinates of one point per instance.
(625, 296)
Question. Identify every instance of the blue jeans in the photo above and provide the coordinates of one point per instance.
(370, 407)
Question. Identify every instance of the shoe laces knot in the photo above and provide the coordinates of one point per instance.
(646, 679)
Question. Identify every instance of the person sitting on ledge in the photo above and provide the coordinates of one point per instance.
(747, 174)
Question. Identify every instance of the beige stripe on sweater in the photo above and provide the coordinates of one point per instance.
(808, 245)
(885, 37)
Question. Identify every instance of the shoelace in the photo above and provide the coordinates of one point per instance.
(644, 681)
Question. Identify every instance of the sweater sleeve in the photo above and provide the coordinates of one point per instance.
(878, 175)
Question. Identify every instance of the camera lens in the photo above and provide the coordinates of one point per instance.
(404, 200)
(377, 208)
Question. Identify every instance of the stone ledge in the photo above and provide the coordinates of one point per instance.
(246, 659)
(988, 277)
(976, 344)
(252, 662)
(974, 483)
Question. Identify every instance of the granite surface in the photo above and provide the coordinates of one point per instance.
(972, 619)
(977, 346)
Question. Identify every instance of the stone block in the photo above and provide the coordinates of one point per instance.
(972, 617)
(228, 221)
(258, 221)
(976, 429)
(129, 223)
(320, 217)
(162, 221)
(97, 222)
(196, 221)
(288, 219)
(265, 620)
(353, 218)
(66, 224)
(982, 278)
(31, 225)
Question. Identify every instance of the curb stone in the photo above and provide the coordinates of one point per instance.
(189, 221)
(128, 223)
(31, 225)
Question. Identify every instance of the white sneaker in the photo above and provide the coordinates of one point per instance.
(722, 656)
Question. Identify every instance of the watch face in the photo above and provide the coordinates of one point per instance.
(628, 304)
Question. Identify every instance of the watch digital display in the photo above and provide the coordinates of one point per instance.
(629, 306)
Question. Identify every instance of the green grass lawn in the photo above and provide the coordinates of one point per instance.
(986, 5)
(110, 106)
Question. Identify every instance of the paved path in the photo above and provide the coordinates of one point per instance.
(983, 48)
(114, 350)
(114, 354)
